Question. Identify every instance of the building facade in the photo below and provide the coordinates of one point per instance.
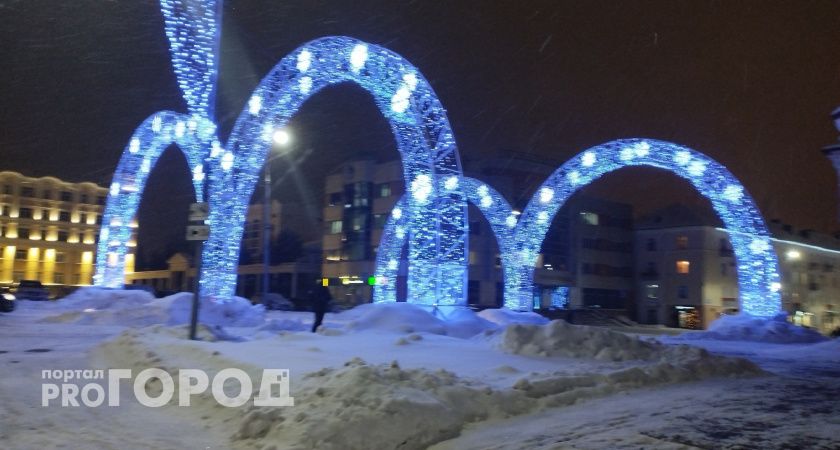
(686, 273)
(48, 229)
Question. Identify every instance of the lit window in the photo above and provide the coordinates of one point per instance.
(683, 267)
(335, 227)
(589, 218)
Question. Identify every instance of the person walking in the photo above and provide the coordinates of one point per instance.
(320, 299)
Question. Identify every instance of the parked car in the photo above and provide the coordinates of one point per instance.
(7, 300)
(277, 301)
(31, 290)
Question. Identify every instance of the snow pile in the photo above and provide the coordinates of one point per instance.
(504, 317)
(743, 327)
(99, 298)
(237, 312)
(345, 409)
(559, 338)
(394, 318)
(132, 308)
(464, 323)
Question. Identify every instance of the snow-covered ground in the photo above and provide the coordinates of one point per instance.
(397, 376)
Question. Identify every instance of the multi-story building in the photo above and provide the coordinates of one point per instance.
(686, 274)
(48, 229)
(590, 249)
(359, 196)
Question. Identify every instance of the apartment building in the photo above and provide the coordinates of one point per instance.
(686, 274)
(48, 229)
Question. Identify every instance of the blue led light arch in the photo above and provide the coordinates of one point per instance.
(490, 203)
(192, 135)
(437, 238)
(758, 278)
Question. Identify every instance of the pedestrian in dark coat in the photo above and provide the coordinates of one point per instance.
(320, 299)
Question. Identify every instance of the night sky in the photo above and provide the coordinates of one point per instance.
(750, 83)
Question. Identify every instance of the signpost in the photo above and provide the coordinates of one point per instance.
(197, 231)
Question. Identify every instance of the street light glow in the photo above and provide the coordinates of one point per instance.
(281, 137)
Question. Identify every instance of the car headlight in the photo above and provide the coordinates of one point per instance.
(8, 296)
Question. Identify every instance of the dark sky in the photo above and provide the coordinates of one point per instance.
(750, 83)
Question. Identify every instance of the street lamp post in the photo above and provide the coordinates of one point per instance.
(280, 138)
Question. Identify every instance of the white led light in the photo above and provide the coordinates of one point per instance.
(546, 194)
(255, 105)
(304, 60)
(358, 57)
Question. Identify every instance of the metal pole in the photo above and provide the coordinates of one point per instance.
(199, 247)
(266, 244)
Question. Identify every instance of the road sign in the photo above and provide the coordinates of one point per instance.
(198, 232)
(199, 212)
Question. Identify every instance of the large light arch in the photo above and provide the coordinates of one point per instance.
(489, 202)
(438, 235)
(193, 135)
(758, 276)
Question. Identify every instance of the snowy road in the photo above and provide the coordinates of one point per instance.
(793, 406)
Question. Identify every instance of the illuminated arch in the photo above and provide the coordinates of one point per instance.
(438, 234)
(757, 263)
(492, 205)
(192, 135)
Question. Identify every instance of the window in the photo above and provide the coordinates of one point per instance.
(20, 254)
(62, 236)
(47, 194)
(25, 213)
(7, 189)
(335, 227)
(683, 267)
(27, 192)
(61, 257)
(682, 242)
(66, 196)
(23, 233)
(385, 190)
(58, 278)
(64, 216)
(83, 198)
(652, 291)
(589, 218)
(335, 199)
(682, 292)
(359, 223)
(651, 245)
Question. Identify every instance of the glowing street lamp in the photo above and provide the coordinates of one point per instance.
(280, 138)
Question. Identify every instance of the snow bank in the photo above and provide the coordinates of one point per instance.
(345, 409)
(504, 317)
(99, 298)
(406, 318)
(237, 312)
(132, 308)
(395, 318)
(743, 327)
(463, 322)
(559, 338)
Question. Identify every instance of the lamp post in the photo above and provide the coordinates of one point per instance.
(280, 138)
